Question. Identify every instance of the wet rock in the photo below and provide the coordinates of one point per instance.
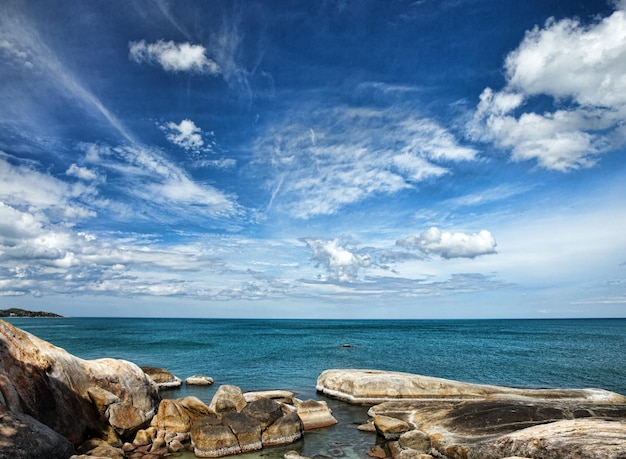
(377, 452)
(415, 440)
(210, 440)
(246, 429)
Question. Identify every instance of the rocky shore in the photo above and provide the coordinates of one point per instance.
(54, 405)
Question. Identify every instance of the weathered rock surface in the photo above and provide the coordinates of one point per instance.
(23, 437)
(374, 386)
(314, 414)
(76, 398)
(178, 415)
(283, 396)
(518, 426)
(227, 398)
(163, 378)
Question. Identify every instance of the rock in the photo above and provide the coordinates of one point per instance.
(107, 451)
(69, 394)
(416, 440)
(226, 398)
(264, 410)
(23, 437)
(377, 452)
(496, 428)
(284, 430)
(367, 427)
(314, 414)
(199, 380)
(292, 454)
(283, 396)
(373, 386)
(144, 437)
(588, 438)
(390, 428)
(246, 429)
(178, 415)
(211, 440)
(163, 378)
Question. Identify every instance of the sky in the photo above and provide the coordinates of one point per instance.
(313, 159)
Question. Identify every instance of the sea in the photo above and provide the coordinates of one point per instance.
(261, 354)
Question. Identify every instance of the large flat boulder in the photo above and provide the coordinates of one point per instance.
(375, 386)
(76, 398)
(525, 427)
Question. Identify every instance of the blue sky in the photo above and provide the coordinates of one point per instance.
(323, 159)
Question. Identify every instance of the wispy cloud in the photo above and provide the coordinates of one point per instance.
(353, 154)
(173, 57)
(580, 67)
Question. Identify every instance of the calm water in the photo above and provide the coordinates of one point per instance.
(290, 354)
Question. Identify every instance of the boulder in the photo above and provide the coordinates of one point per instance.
(23, 437)
(179, 414)
(226, 399)
(496, 428)
(199, 380)
(416, 440)
(390, 428)
(246, 429)
(374, 386)
(264, 410)
(284, 430)
(163, 378)
(72, 396)
(588, 438)
(213, 440)
(283, 396)
(314, 414)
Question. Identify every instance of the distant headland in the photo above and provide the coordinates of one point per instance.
(16, 312)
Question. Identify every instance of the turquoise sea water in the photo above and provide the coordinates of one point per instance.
(290, 354)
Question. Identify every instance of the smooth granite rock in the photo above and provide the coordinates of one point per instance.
(496, 428)
(178, 415)
(199, 380)
(77, 398)
(226, 399)
(374, 386)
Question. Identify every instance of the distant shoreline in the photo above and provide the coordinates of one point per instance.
(16, 312)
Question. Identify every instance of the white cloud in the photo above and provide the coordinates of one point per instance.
(582, 68)
(153, 178)
(185, 134)
(342, 264)
(353, 154)
(451, 245)
(81, 172)
(173, 57)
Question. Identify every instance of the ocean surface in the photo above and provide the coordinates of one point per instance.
(290, 354)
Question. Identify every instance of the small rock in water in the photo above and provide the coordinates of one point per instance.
(199, 380)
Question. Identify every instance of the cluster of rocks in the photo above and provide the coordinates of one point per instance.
(422, 417)
(54, 405)
(166, 380)
(232, 423)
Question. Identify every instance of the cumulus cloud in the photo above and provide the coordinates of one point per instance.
(173, 57)
(451, 245)
(185, 134)
(342, 264)
(326, 158)
(582, 68)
